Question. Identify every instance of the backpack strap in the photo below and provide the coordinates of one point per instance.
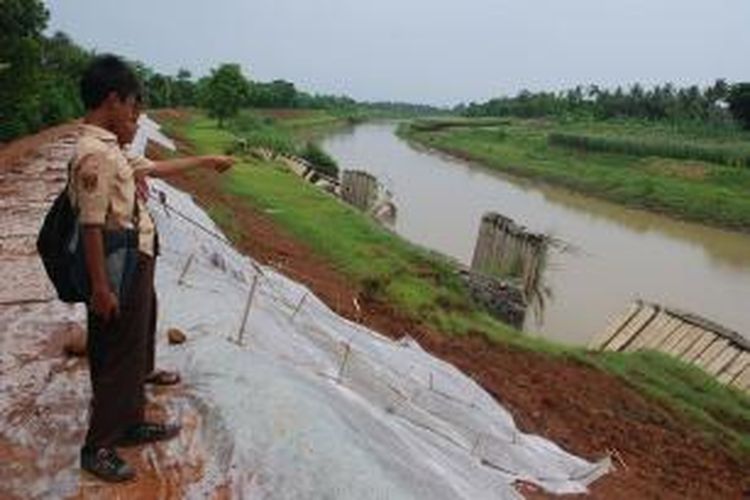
(136, 212)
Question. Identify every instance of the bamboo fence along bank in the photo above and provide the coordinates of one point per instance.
(357, 188)
(720, 352)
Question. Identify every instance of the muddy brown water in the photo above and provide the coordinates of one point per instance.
(619, 254)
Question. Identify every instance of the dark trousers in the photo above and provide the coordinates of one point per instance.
(151, 337)
(120, 354)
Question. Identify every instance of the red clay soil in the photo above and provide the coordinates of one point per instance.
(588, 412)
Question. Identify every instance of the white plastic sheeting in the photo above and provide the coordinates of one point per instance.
(301, 403)
(149, 130)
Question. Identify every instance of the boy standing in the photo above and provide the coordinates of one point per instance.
(104, 190)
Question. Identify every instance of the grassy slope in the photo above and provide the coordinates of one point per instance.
(693, 190)
(422, 286)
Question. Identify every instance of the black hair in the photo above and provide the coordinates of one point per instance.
(104, 74)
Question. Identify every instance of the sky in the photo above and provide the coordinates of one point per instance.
(425, 51)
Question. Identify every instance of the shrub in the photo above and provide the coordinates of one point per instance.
(320, 160)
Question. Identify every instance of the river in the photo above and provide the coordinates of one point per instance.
(619, 254)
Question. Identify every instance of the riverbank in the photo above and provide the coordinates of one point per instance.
(653, 168)
(678, 431)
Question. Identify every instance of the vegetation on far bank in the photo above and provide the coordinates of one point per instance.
(648, 165)
(721, 106)
(424, 287)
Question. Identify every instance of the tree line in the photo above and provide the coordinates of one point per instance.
(39, 78)
(717, 104)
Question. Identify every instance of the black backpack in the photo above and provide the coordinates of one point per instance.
(61, 255)
(61, 249)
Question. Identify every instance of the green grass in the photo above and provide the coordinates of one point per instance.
(315, 118)
(720, 412)
(733, 156)
(438, 124)
(256, 131)
(699, 191)
(693, 132)
(203, 135)
(423, 286)
(259, 128)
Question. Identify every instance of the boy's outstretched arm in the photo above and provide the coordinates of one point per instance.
(167, 168)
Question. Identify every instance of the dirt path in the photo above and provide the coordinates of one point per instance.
(44, 394)
(583, 410)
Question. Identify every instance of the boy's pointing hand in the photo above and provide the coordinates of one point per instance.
(218, 163)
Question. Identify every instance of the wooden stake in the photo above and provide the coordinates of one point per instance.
(249, 304)
(357, 307)
(299, 306)
(343, 362)
(163, 199)
(181, 279)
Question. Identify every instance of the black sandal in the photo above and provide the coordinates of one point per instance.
(106, 464)
(163, 377)
(148, 432)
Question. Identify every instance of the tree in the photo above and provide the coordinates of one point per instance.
(225, 91)
(159, 91)
(719, 91)
(283, 93)
(40, 75)
(690, 104)
(63, 63)
(184, 89)
(739, 103)
(320, 160)
(21, 26)
(277, 94)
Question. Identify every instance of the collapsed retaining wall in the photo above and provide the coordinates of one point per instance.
(720, 352)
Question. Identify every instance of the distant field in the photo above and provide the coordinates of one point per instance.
(693, 174)
(729, 155)
(295, 118)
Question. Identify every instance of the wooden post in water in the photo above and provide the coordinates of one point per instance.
(359, 189)
(507, 250)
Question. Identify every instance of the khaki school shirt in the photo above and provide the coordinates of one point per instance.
(102, 186)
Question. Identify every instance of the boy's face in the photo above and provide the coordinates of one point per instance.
(123, 117)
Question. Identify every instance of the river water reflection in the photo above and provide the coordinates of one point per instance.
(621, 254)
